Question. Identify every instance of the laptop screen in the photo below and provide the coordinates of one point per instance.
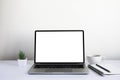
(59, 46)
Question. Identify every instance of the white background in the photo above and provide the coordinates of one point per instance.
(99, 18)
(59, 47)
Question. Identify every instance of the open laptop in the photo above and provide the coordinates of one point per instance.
(59, 52)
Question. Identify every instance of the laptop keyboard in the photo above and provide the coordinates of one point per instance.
(57, 66)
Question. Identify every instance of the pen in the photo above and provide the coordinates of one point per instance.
(96, 70)
(103, 68)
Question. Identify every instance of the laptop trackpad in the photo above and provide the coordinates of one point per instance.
(58, 70)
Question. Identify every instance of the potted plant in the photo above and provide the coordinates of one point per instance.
(22, 61)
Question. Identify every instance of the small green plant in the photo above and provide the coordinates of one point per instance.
(22, 55)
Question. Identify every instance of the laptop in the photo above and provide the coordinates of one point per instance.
(59, 52)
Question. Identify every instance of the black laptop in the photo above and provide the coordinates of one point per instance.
(59, 52)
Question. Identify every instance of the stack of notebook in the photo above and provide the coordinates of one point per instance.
(105, 69)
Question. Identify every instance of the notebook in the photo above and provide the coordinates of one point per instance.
(114, 69)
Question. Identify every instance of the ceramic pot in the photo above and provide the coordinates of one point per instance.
(22, 62)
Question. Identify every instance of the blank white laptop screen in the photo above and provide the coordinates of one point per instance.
(59, 46)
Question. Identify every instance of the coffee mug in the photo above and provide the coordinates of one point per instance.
(94, 59)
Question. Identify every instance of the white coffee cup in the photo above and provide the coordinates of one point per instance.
(94, 59)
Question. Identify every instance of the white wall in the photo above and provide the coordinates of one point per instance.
(99, 18)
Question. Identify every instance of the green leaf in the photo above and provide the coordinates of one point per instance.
(22, 55)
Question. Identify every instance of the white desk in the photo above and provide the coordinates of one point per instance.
(9, 70)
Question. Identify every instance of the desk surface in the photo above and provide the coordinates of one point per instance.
(9, 70)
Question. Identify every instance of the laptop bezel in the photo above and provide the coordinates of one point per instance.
(59, 63)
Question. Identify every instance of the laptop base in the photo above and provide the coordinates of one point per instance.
(58, 71)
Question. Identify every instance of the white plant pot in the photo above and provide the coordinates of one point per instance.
(22, 62)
